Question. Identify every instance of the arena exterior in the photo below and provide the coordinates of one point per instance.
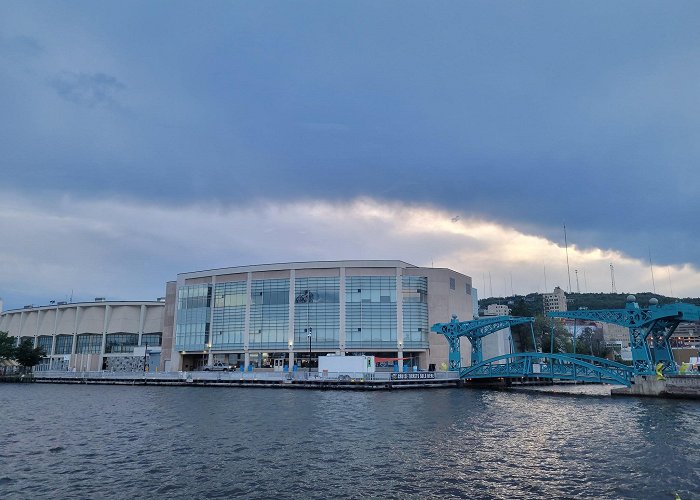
(92, 336)
(283, 316)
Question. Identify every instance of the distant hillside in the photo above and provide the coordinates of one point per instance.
(531, 304)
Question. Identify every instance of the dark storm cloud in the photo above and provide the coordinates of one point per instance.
(529, 113)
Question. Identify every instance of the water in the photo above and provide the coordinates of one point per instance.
(60, 441)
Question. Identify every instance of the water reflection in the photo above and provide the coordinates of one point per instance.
(89, 441)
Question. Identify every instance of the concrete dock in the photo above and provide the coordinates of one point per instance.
(298, 380)
(674, 386)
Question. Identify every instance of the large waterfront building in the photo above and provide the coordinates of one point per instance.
(286, 315)
(99, 335)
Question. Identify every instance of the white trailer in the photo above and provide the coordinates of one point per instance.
(333, 363)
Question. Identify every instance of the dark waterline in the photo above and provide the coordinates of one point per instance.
(64, 441)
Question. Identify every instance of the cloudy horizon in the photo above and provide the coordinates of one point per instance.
(141, 140)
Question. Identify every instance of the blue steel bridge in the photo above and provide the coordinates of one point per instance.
(650, 329)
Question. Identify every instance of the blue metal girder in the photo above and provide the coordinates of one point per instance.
(473, 330)
(552, 366)
(657, 322)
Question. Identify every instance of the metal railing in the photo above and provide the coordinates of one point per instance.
(204, 376)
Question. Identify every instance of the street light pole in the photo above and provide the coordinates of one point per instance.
(309, 336)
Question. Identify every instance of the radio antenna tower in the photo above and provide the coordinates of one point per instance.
(578, 289)
(651, 267)
(612, 278)
(566, 246)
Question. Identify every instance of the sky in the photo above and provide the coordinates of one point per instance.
(139, 140)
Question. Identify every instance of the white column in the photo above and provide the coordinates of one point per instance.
(75, 331)
(292, 317)
(142, 321)
(210, 359)
(176, 357)
(105, 327)
(399, 317)
(341, 299)
(21, 321)
(246, 322)
(55, 332)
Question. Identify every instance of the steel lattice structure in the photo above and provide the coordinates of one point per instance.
(649, 329)
(474, 330)
(551, 366)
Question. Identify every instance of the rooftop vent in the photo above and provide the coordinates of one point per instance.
(100, 299)
(61, 303)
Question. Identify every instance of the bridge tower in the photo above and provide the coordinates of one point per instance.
(649, 329)
(475, 331)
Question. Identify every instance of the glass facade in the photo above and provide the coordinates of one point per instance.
(269, 314)
(64, 344)
(370, 309)
(121, 342)
(228, 326)
(193, 310)
(253, 315)
(317, 311)
(45, 342)
(152, 339)
(89, 343)
(415, 312)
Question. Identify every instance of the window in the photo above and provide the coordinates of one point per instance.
(453, 284)
(152, 339)
(317, 311)
(121, 342)
(89, 343)
(64, 344)
(269, 314)
(370, 311)
(415, 311)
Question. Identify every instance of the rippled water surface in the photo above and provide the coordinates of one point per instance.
(63, 441)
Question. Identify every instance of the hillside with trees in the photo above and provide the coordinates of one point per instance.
(532, 303)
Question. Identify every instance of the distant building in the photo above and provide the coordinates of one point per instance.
(555, 301)
(616, 333)
(498, 343)
(497, 310)
(687, 335)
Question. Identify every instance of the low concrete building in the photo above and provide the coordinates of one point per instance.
(87, 336)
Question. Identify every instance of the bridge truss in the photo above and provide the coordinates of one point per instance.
(475, 331)
(649, 329)
(577, 367)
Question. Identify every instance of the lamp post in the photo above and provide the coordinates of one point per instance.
(309, 337)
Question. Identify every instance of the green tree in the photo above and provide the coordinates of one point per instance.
(522, 335)
(591, 341)
(543, 334)
(7, 346)
(27, 355)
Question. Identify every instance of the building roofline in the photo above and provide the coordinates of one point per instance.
(86, 304)
(285, 266)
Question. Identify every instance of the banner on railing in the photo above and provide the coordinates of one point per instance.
(413, 376)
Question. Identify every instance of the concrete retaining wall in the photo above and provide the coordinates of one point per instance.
(676, 386)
